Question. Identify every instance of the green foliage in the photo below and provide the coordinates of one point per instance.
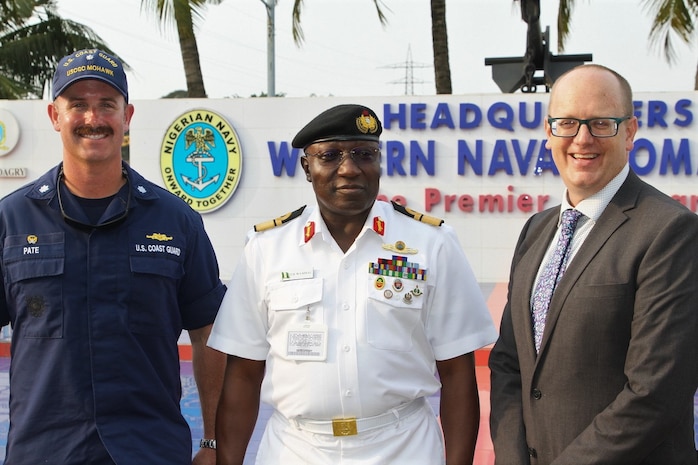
(32, 40)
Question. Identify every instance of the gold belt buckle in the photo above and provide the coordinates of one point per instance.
(344, 427)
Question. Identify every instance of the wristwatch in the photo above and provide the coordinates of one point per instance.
(207, 444)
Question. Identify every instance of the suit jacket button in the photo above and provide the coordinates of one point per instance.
(532, 452)
(537, 394)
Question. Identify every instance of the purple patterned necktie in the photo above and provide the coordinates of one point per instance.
(552, 273)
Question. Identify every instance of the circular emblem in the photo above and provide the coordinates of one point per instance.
(380, 283)
(399, 246)
(36, 305)
(388, 294)
(200, 159)
(9, 132)
(366, 123)
(397, 285)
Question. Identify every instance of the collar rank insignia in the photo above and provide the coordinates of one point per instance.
(308, 231)
(417, 216)
(378, 225)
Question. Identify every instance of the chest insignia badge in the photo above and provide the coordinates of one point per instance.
(399, 247)
(379, 283)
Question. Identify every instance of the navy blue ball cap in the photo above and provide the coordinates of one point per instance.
(89, 64)
(343, 122)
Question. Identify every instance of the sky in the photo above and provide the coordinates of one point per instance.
(347, 52)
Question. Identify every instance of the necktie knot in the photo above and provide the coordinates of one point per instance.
(569, 221)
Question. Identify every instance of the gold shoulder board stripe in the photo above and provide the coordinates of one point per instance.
(432, 220)
(278, 221)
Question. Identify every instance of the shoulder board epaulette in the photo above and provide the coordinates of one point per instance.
(279, 221)
(432, 220)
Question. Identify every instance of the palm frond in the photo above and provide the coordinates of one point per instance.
(29, 54)
(297, 30)
(15, 13)
(564, 19)
(671, 18)
(166, 12)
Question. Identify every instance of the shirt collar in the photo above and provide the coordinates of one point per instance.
(45, 187)
(319, 229)
(592, 207)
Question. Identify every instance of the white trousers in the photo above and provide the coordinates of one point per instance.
(415, 440)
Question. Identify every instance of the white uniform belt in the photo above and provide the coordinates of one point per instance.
(354, 426)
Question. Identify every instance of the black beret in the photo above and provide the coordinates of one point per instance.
(343, 122)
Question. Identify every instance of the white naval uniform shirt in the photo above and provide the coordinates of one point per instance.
(380, 352)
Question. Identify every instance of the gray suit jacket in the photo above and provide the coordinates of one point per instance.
(617, 370)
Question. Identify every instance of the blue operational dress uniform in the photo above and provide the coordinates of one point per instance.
(96, 314)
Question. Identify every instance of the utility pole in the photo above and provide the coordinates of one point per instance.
(271, 72)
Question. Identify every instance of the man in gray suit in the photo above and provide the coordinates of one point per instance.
(606, 373)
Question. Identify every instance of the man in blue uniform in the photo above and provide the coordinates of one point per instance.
(101, 271)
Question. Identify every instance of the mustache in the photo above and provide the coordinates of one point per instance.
(89, 130)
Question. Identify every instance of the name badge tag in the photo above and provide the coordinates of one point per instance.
(307, 342)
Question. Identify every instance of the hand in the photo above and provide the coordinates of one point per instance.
(204, 456)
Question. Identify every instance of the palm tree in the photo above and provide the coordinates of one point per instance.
(439, 40)
(670, 16)
(32, 40)
(183, 15)
(442, 69)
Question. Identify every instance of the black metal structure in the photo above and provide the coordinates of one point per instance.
(513, 73)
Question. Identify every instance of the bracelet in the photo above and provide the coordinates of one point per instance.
(207, 444)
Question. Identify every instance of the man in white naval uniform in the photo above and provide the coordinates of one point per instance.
(345, 316)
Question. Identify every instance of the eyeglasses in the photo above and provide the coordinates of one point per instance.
(598, 127)
(334, 157)
(70, 220)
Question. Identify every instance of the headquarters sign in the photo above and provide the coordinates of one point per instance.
(200, 159)
(488, 154)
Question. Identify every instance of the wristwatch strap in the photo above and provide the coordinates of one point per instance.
(207, 444)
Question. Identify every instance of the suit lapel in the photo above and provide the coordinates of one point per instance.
(611, 219)
(539, 237)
